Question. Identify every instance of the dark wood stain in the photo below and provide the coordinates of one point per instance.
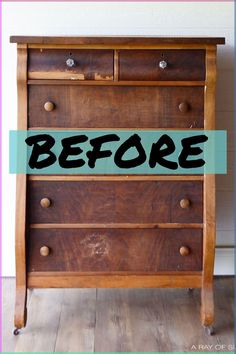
(111, 250)
(116, 107)
(115, 202)
(116, 231)
(91, 64)
(144, 65)
(113, 40)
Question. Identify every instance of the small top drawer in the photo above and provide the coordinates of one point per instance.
(166, 65)
(77, 64)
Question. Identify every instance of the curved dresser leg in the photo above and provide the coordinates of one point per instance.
(207, 309)
(209, 202)
(209, 330)
(21, 179)
(20, 310)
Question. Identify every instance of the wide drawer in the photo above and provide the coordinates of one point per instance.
(114, 250)
(171, 65)
(115, 202)
(77, 64)
(115, 107)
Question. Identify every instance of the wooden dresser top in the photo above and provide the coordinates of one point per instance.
(118, 40)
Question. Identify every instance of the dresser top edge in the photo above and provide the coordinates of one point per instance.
(110, 40)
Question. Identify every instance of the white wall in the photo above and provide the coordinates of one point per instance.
(173, 18)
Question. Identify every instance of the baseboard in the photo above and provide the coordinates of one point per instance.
(224, 261)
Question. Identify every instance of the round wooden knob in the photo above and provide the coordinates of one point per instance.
(183, 107)
(184, 251)
(184, 203)
(45, 202)
(44, 251)
(49, 106)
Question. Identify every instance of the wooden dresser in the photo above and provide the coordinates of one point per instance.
(115, 230)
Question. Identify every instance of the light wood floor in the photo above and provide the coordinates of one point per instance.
(118, 320)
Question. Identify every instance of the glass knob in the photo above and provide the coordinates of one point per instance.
(70, 62)
(162, 64)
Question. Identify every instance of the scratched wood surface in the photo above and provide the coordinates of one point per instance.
(125, 320)
(112, 250)
(88, 64)
(115, 202)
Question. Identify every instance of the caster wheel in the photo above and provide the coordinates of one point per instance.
(209, 330)
(16, 331)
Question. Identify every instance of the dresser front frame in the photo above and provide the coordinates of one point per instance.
(203, 279)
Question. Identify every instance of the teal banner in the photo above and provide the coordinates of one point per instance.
(118, 152)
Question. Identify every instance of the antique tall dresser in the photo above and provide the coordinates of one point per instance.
(115, 230)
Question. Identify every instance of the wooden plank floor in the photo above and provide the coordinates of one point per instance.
(118, 320)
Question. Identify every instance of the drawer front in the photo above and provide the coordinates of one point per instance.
(114, 250)
(78, 64)
(116, 107)
(115, 202)
(182, 65)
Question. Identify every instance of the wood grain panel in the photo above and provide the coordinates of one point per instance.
(118, 226)
(209, 238)
(114, 40)
(115, 83)
(114, 202)
(116, 107)
(20, 317)
(89, 64)
(115, 250)
(110, 280)
(116, 178)
(144, 65)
